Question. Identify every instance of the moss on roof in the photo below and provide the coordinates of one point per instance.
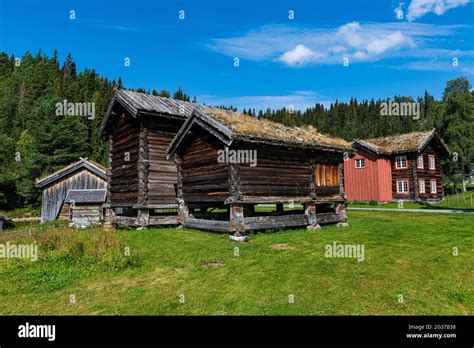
(397, 143)
(254, 127)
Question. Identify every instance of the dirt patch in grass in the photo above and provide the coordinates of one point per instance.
(281, 246)
(214, 264)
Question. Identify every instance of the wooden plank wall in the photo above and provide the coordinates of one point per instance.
(90, 211)
(373, 182)
(54, 195)
(403, 173)
(124, 174)
(162, 173)
(429, 174)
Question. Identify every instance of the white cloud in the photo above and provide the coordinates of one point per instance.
(299, 46)
(299, 55)
(437, 65)
(419, 8)
(387, 42)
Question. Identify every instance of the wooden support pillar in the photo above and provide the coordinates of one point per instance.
(341, 180)
(310, 213)
(143, 164)
(236, 223)
(183, 211)
(311, 179)
(341, 210)
(143, 218)
(415, 179)
(279, 208)
(109, 214)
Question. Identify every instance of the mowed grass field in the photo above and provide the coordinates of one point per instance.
(188, 272)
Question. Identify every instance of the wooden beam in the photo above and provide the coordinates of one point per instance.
(341, 215)
(143, 163)
(415, 179)
(311, 218)
(236, 218)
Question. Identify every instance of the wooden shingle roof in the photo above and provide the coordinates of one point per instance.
(402, 143)
(86, 196)
(226, 125)
(82, 163)
(137, 102)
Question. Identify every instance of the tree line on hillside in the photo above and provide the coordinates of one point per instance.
(452, 117)
(35, 139)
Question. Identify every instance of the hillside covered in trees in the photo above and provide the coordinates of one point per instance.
(36, 140)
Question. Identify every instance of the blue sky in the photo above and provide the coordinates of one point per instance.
(282, 61)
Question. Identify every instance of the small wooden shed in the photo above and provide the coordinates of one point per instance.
(82, 176)
(84, 207)
(292, 166)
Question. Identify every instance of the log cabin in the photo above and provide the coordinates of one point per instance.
(83, 175)
(141, 182)
(221, 184)
(403, 167)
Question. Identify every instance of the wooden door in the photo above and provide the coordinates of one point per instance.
(326, 175)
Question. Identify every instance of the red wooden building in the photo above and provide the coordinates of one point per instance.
(401, 167)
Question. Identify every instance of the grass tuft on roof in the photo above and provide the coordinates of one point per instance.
(251, 126)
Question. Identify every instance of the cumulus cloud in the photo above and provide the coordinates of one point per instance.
(299, 55)
(299, 47)
(419, 8)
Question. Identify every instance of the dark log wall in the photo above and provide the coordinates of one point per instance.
(54, 195)
(124, 174)
(279, 173)
(290, 174)
(403, 173)
(428, 174)
(413, 174)
(162, 173)
(203, 178)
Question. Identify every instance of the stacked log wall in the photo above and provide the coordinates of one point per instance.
(124, 173)
(428, 174)
(162, 173)
(204, 179)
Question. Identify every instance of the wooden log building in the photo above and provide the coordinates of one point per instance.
(291, 165)
(141, 182)
(404, 167)
(84, 175)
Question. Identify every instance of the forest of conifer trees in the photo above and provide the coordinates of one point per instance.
(34, 140)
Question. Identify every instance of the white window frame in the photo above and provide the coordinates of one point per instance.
(435, 186)
(407, 186)
(360, 160)
(419, 163)
(402, 159)
(431, 160)
(421, 184)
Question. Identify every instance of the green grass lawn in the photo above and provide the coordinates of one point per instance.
(187, 272)
(457, 201)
